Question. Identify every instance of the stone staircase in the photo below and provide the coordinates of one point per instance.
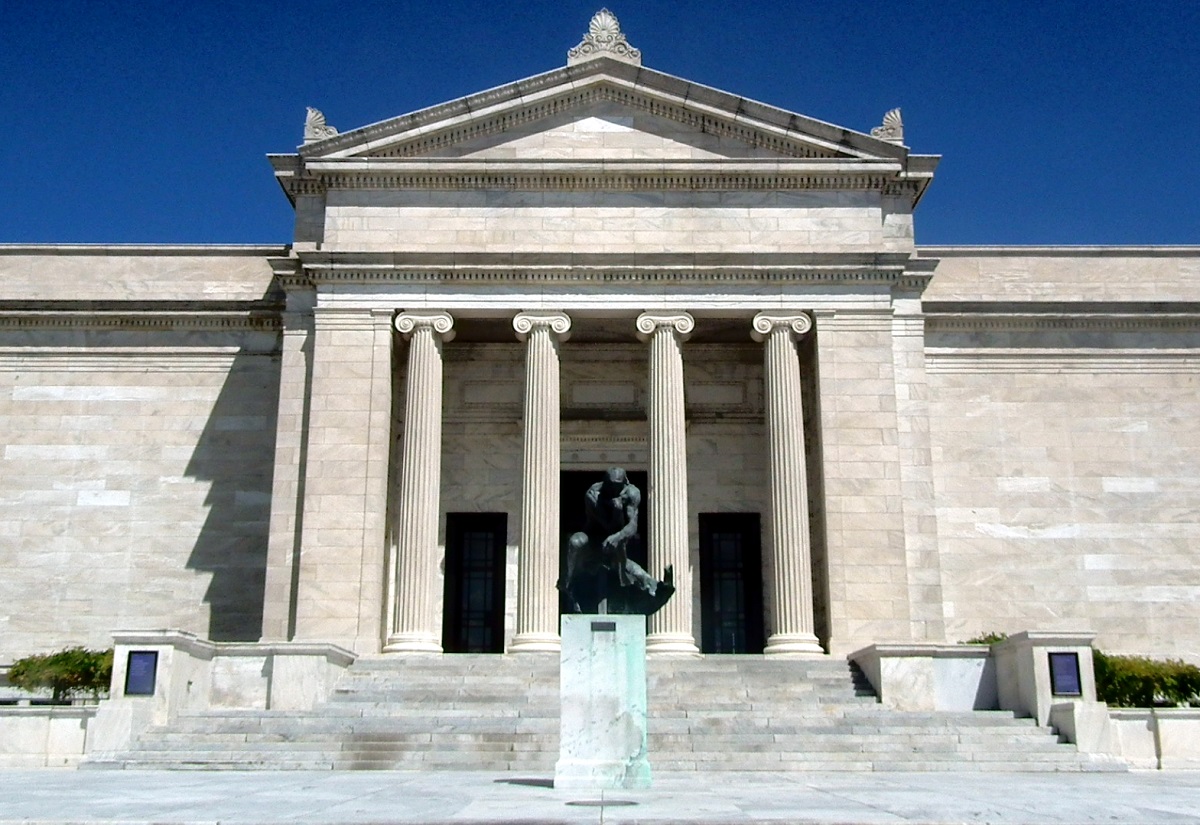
(720, 713)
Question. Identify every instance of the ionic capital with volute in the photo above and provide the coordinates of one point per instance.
(649, 322)
(441, 323)
(558, 322)
(798, 324)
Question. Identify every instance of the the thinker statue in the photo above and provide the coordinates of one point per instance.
(600, 576)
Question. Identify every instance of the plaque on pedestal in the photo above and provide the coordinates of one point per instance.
(602, 738)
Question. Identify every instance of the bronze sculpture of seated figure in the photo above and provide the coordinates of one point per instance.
(600, 576)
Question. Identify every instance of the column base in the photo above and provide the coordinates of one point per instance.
(535, 643)
(671, 643)
(804, 644)
(412, 643)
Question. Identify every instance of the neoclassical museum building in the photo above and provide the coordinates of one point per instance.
(378, 435)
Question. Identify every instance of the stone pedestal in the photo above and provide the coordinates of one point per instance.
(602, 738)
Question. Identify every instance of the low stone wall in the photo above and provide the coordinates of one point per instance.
(192, 674)
(44, 736)
(930, 676)
(1164, 738)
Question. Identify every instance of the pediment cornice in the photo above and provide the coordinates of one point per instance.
(887, 176)
(397, 152)
(603, 80)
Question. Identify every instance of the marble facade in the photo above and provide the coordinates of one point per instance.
(600, 265)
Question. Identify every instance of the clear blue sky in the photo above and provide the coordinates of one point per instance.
(1058, 122)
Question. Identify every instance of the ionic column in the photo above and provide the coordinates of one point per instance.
(791, 581)
(670, 629)
(416, 625)
(537, 562)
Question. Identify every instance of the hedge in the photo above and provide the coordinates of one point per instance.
(1140, 682)
(67, 673)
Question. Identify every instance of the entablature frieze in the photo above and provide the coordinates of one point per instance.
(950, 322)
(609, 175)
(256, 320)
(889, 269)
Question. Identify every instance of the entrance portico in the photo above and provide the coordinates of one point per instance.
(599, 266)
(503, 417)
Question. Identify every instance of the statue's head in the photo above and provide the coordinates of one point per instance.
(615, 481)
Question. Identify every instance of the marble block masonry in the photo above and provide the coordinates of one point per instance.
(373, 440)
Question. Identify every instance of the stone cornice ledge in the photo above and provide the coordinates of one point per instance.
(591, 167)
(1064, 251)
(931, 650)
(620, 175)
(205, 649)
(1065, 638)
(132, 250)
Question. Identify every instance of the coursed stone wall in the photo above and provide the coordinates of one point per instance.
(1065, 445)
(135, 470)
(136, 491)
(1066, 495)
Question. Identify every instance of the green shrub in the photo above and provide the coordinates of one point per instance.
(67, 673)
(1139, 682)
(989, 638)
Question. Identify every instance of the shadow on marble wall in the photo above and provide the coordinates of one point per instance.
(235, 453)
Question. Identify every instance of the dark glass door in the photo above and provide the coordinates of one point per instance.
(731, 583)
(474, 592)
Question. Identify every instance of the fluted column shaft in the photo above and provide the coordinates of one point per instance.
(416, 626)
(791, 581)
(670, 629)
(537, 561)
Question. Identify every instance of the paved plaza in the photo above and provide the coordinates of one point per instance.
(127, 797)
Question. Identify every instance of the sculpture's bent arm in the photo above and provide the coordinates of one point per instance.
(633, 501)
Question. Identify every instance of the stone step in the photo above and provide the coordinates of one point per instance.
(501, 713)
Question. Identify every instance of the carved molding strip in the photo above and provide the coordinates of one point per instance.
(1088, 361)
(258, 321)
(1028, 322)
(324, 274)
(606, 179)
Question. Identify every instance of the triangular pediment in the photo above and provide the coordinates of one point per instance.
(606, 130)
(603, 109)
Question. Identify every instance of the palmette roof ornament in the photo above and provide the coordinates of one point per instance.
(604, 39)
(315, 127)
(892, 129)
